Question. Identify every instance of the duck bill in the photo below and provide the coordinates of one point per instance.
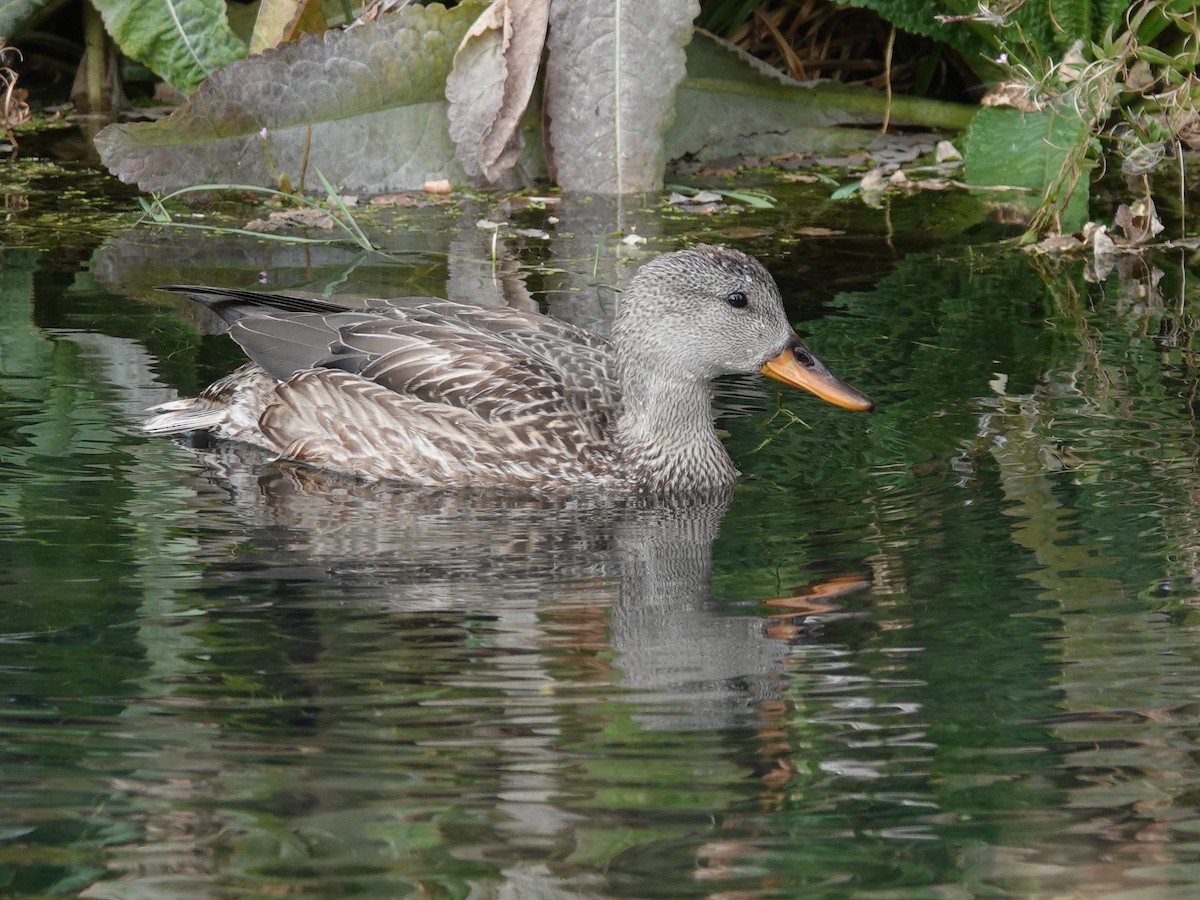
(799, 368)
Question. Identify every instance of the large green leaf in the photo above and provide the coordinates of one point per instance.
(977, 44)
(1086, 19)
(14, 14)
(181, 41)
(1041, 152)
(366, 107)
(1032, 32)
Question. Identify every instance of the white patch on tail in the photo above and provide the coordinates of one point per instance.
(182, 416)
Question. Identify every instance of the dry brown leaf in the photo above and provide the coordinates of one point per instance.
(280, 21)
(1104, 252)
(1139, 222)
(1140, 78)
(490, 85)
(946, 152)
(16, 108)
(1057, 245)
(1185, 124)
(1073, 63)
(872, 181)
(307, 217)
(410, 199)
(743, 232)
(1012, 93)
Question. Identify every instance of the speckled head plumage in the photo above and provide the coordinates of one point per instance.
(706, 311)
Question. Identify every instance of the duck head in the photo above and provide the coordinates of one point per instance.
(695, 314)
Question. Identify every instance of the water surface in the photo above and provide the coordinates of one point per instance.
(949, 649)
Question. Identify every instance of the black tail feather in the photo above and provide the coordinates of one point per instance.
(232, 304)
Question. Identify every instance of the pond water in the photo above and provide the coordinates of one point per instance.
(951, 649)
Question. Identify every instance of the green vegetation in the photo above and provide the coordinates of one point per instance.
(432, 93)
(333, 213)
(1069, 82)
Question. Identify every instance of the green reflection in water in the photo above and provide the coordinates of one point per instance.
(217, 685)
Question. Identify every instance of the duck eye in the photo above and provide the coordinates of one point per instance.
(737, 300)
(803, 357)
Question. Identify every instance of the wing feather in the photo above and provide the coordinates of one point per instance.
(430, 391)
(333, 419)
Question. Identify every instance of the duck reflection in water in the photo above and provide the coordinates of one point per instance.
(646, 560)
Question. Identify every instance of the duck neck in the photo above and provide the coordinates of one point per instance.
(665, 433)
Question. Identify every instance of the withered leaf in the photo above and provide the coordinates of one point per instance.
(490, 85)
(1140, 221)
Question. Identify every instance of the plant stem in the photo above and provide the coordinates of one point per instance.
(95, 44)
(904, 109)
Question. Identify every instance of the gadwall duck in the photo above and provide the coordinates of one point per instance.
(434, 392)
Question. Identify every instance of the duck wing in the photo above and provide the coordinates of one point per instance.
(288, 333)
(583, 359)
(492, 375)
(330, 418)
(427, 391)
